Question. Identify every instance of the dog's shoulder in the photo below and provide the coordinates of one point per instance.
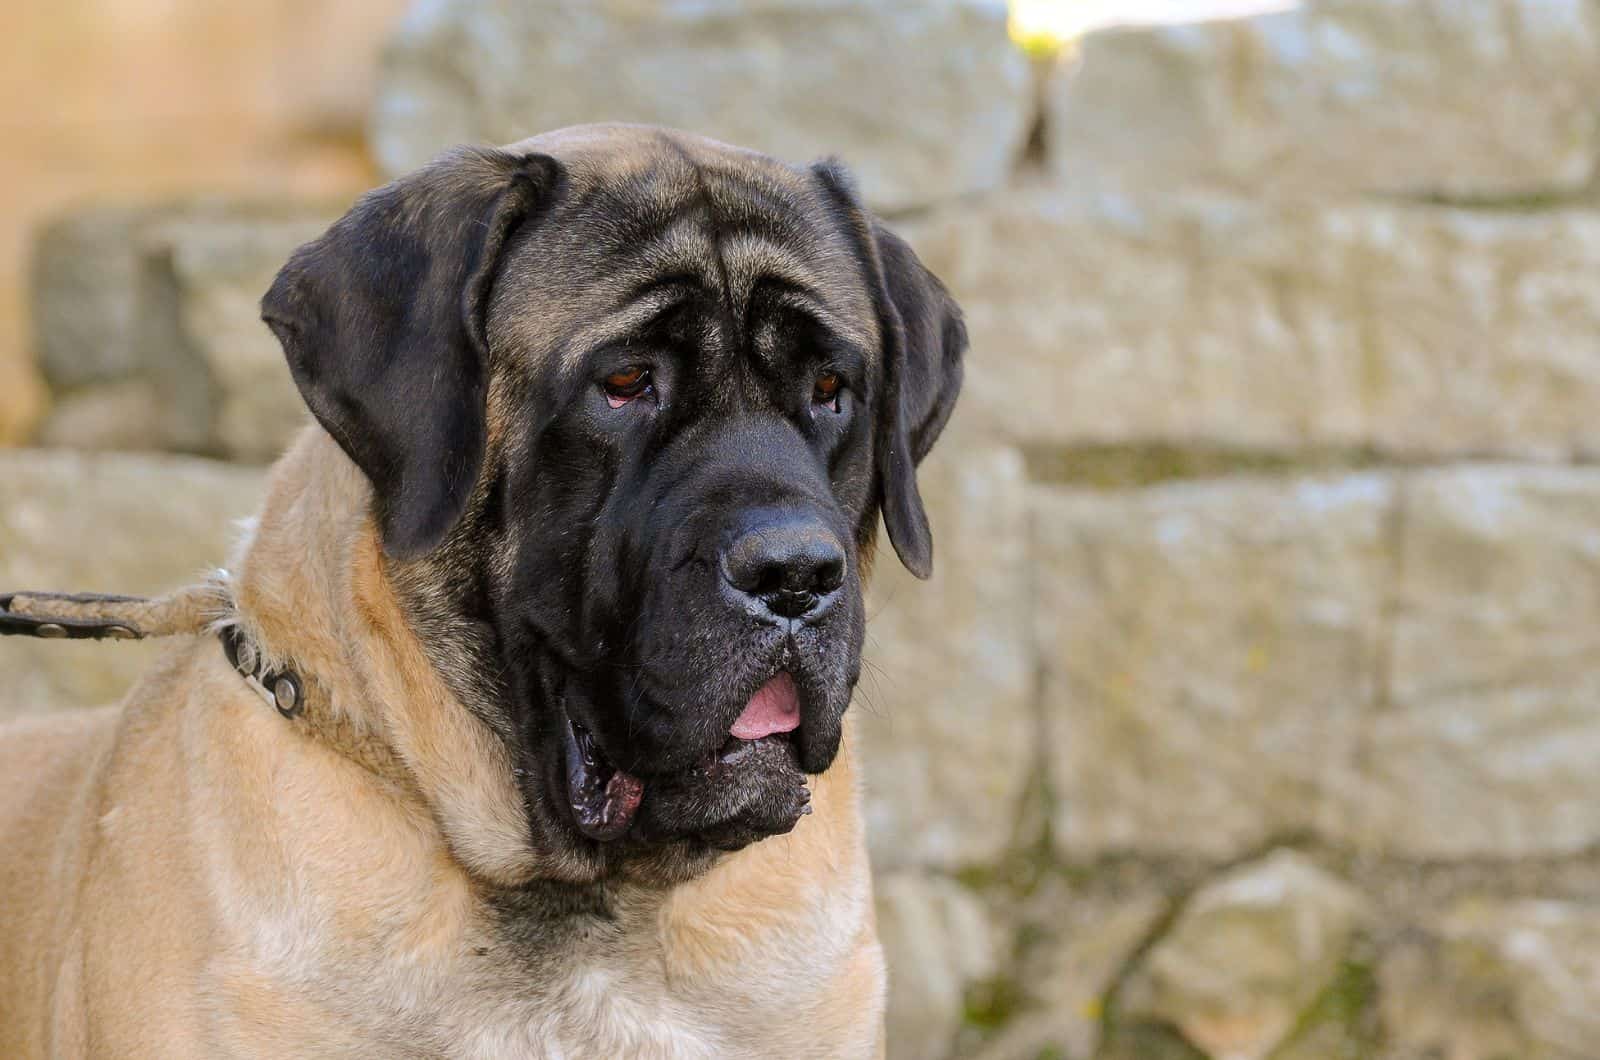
(44, 759)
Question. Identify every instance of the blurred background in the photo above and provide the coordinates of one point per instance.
(1254, 710)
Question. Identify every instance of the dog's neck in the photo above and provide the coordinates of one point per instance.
(289, 596)
(312, 588)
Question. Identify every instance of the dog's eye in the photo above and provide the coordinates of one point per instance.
(624, 386)
(825, 391)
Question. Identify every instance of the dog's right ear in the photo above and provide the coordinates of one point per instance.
(382, 321)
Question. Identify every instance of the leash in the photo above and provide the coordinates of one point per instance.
(194, 610)
(63, 625)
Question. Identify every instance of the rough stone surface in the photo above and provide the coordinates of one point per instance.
(86, 285)
(1209, 653)
(924, 100)
(1450, 997)
(1494, 979)
(1067, 974)
(1493, 98)
(1482, 333)
(1247, 956)
(149, 323)
(221, 266)
(105, 523)
(945, 703)
(1209, 321)
(937, 941)
(1108, 320)
(1486, 737)
(129, 414)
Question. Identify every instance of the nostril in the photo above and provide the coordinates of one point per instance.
(789, 604)
(829, 575)
(771, 578)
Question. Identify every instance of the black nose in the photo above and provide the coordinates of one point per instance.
(788, 565)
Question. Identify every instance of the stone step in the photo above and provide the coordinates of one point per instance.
(1202, 321)
(1402, 663)
(1488, 99)
(149, 331)
(925, 101)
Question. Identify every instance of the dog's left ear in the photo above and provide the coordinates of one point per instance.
(382, 322)
(924, 338)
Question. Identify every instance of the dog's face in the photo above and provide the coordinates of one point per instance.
(631, 403)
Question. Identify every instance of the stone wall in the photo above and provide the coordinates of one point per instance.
(1252, 711)
(105, 99)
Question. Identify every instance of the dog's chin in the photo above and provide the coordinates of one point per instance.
(745, 791)
(750, 787)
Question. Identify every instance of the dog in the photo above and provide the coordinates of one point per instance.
(559, 601)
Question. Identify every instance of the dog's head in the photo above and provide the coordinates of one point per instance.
(630, 403)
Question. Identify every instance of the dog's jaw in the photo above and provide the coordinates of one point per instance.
(747, 789)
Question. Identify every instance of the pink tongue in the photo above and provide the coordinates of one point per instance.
(774, 708)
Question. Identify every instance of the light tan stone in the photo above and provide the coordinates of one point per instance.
(105, 523)
(163, 301)
(1490, 979)
(221, 267)
(1247, 955)
(1450, 998)
(1068, 975)
(925, 101)
(1492, 98)
(85, 282)
(1483, 327)
(1213, 322)
(937, 940)
(124, 415)
(1485, 740)
(1106, 320)
(1209, 653)
(945, 704)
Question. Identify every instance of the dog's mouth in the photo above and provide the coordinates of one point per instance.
(749, 787)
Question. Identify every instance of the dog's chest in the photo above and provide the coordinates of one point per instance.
(615, 994)
(590, 1007)
(617, 988)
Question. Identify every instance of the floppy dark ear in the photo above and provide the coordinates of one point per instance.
(923, 341)
(382, 321)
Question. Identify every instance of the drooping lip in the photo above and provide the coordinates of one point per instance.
(604, 799)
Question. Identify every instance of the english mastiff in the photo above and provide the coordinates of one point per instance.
(559, 606)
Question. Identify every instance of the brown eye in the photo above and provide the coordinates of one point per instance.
(623, 386)
(826, 390)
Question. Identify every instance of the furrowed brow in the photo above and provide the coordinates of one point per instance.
(640, 308)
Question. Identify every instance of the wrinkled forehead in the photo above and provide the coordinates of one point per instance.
(644, 214)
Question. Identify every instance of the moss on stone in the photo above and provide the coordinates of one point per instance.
(991, 1003)
(1144, 1040)
(1120, 467)
(1341, 1024)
